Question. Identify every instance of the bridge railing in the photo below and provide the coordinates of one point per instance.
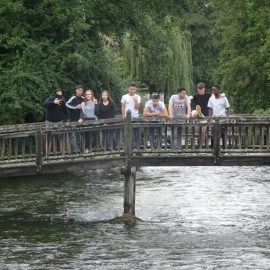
(34, 143)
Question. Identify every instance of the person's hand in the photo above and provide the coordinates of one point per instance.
(135, 99)
(95, 100)
(171, 116)
(80, 121)
(57, 101)
(79, 106)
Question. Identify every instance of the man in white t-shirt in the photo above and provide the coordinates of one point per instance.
(131, 101)
(155, 108)
(218, 105)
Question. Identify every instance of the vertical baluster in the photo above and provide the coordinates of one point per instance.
(207, 137)
(246, 138)
(261, 137)
(30, 144)
(239, 137)
(54, 143)
(193, 138)
(23, 147)
(9, 148)
(166, 137)
(225, 137)
(3, 149)
(186, 137)
(267, 137)
(145, 132)
(234, 143)
(159, 137)
(254, 137)
(16, 148)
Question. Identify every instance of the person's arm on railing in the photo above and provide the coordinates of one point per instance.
(146, 113)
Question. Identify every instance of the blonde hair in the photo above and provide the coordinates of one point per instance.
(89, 90)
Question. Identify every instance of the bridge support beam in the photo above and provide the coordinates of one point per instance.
(130, 190)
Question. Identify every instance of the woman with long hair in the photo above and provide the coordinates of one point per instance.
(88, 113)
(105, 110)
(88, 107)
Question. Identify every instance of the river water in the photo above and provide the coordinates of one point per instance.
(192, 218)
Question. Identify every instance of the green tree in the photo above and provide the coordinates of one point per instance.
(242, 29)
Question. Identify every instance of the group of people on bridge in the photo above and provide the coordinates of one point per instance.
(81, 107)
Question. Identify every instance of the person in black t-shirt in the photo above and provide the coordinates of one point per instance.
(105, 110)
(201, 98)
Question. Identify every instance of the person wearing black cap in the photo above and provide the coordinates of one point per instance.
(56, 114)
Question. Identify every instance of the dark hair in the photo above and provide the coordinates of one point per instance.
(58, 89)
(155, 96)
(201, 85)
(78, 87)
(132, 85)
(109, 96)
(216, 86)
(181, 89)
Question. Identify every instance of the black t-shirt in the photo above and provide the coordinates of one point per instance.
(104, 111)
(202, 100)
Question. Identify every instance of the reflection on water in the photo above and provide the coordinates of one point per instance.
(193, 218)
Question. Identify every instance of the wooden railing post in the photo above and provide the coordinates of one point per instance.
(129, 171)
(39, 147)
(128, 138)
(216, 141)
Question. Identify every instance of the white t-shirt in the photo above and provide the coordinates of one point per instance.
(159, 108)
(130, 104)
(218, 105)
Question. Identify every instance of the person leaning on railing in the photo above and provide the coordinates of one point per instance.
(155, 108)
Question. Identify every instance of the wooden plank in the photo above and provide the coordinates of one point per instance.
(2, 149)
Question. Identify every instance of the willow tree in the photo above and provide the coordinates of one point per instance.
(162, 60)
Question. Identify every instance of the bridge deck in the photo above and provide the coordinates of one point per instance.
(234, 141)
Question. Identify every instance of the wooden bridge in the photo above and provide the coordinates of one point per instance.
(232, 141)
(33, 149)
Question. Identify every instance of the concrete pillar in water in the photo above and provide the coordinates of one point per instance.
(130, 190)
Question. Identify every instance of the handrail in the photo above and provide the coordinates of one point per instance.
(128, 137)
